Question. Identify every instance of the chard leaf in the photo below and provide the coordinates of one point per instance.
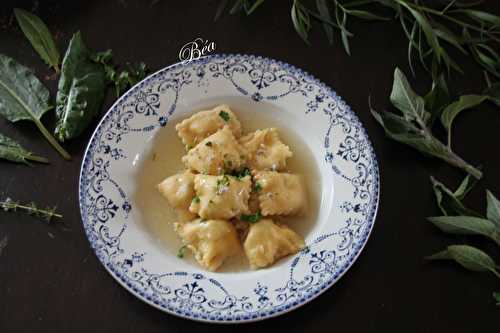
(466, 225)
(493, 208)
(467, 256)
(24, 97)
(39, 36)
(12, 151)
(80, 92)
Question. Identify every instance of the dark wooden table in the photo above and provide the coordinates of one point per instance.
(50, 280)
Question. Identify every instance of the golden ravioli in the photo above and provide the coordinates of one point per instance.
(211, 241)
(221, 197)
(204, 123)
(267, 242)
(216, 154)
(265, 151)
(281, 193)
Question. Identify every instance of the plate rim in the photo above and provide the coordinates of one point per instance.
(371, 219)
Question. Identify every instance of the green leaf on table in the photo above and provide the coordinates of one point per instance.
(496, 296)
(363, 14)
(467, 256)
(24, 97)
(493, 208)
(450, 202)
(12, 151)
(324, 12)
(301, 20)
(39, 36)
(406, 100)
(466, 225)
(464, 188)
(80, 92)
(437, 98)
(493, 92)
(464, 102)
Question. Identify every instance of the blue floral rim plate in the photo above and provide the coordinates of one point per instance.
(114, 218)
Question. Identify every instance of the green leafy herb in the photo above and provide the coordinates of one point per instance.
(222, 184)
(46, 214)
(253, 218)
(242, 173)
(452, 110)
(493, 208)
(467, 225)
(469, 257)
(23, 97)
(450, 202)
(413, 128)
(224, 115)
(39, 36)
(196, 200)
(80, 92)
(496, 296)
(182, 251)
(431, 28)
(208, 144)
(13, 151)
(257, 187)
(124, 79)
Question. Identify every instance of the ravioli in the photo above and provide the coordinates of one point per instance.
(178, 189)
(281, 193)
(266, 242)
(220, 197)
(211, 241)
(265, 151)
(216, 154)
(204, 123)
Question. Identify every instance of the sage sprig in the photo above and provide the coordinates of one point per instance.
(24, 97)
(432, 28)
(46, 214)
(459, 221)
(39, 36)
(414, 126)
(12, 151)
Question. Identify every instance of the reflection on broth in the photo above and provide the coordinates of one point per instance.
(163, 159)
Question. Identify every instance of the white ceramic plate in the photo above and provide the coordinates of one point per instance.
(119, 229)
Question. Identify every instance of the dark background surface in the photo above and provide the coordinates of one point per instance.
(51, 281)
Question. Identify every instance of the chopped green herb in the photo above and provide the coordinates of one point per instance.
(224, 115)
(241, 173)
(208, 144)
(189, 147)
(253, 218)
(196, 200)
(257, 187)
(181, 251)
(211, 201)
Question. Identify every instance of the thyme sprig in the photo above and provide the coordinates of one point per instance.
(47, 214)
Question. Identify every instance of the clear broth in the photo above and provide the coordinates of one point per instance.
(164, 160)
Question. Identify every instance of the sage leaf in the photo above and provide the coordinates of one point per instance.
(493, 208)
(366, 15)
(24, 97)
(39, 36)
(301, 21)
(12, 151)
(496, 296)
(406, 100)
(467, 256)
(464, 188)
(324, 12)
(464, 102)
(437, 98)
(450, 203)
(466, 225)
(80, 91)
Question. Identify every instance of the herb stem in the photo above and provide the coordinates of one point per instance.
(52, 140)
(36, 158)
(496, 273)
(454, 20)
(458, 162)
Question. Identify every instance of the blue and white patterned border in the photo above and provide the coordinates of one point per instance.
(190, 298)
